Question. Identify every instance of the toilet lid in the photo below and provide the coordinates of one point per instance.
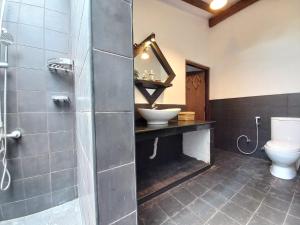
(282, 146)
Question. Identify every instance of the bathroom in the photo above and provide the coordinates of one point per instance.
(84, 138)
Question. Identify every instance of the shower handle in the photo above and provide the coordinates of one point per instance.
(16, 134)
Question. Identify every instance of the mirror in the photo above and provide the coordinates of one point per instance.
(148, 67)
(152, 72)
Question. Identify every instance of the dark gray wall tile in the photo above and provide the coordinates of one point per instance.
(11, 13)
(62, 179)
(61, 141)
(11, 106)
(14, 149)
(62, 6)
(116, 193)
(30, 36)
(56, 41)
(62, 160)
(39, 3)
(111, 20)
(57, 21)
(13, 210)
(121, 150)
(35, 61)
(62, 196)
(35, 144)
(113, 82)
(39, 203)
(32, 123)
(32, 101)
(31, 15)
(25, 78)
(56, 122)
(294, 99)
(14, 193)
(37, 185)
(38, 165)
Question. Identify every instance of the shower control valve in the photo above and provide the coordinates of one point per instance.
(257, 120)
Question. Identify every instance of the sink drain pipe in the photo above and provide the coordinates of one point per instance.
(154, 149)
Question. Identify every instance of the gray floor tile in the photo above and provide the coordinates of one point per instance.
(253, 193)
(276, 203)
(272, 215)
(259, 185)
(258, 192)
(291, 220)
(236, 212)
(215, 199)
(221, 219)
(184, 196)
(209, 180)
(230, 183)
(195, 188)
(170, 205)
(152, 215)
(202, 209)
(295, 210)
(283, 194)
(186, 217)
(257, 220)
(246, 202)
(224, 190)
(169, 222)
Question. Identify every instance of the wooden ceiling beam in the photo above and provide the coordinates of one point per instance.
(201, 5)
(223, 15)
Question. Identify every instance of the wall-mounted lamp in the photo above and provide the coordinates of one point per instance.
(217, 4)
(145, 55)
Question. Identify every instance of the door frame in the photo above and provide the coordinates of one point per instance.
(206, 77)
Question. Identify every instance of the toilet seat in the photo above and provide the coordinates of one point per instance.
(282, 146)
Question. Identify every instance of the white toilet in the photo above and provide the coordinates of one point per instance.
(284, 147)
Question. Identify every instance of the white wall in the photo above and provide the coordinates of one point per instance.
(257, 51)
(180, 36)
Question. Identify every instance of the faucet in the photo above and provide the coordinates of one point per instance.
(154, 106)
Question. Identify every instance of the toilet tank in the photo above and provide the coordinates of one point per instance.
(285, 129)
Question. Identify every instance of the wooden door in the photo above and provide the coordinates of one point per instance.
(195, 94)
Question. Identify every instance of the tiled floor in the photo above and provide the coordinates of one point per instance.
(236, 190)
(154, 179)
(66, 214)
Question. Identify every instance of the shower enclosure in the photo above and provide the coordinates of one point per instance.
(66, 122)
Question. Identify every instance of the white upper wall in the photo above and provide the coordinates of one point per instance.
(180, 36)
(256, 51)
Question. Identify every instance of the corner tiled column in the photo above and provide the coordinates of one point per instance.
(114, 111)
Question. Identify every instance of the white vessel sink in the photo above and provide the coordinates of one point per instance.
(158, 116)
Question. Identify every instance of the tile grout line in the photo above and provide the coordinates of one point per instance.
(219, 209)
(287, 213)
(261, 203)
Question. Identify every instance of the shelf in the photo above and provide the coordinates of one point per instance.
(151, 84)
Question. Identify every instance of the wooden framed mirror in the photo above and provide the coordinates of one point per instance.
(152, 72)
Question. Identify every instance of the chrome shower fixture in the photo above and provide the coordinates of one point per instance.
(61, 64)
(6, 38)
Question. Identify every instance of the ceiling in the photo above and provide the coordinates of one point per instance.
(192, 9)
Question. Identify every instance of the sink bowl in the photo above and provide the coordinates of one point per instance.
(158, 116)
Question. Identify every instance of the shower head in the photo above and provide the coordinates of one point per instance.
(6, 38)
